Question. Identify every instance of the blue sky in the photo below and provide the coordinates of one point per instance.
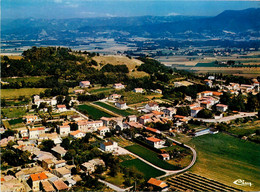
(109, 8)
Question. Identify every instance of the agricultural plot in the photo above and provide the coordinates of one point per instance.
(225, 158)
(132, 98)
(93, 112)
(15, 93)
(101, 90)
(113, 109)
(193, 182)
(147, 170)
(151, 156)
(122, 142)
(13, 112)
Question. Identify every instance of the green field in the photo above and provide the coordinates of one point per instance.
(246, 129)
(93, 112)
(15, 121)
(225, 159)
(13, 112)
(101, 90)
(15, 93)
(132, 98)
(113, 109)
(147, 170)
(150, 156)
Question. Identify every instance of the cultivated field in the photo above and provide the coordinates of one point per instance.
(93, 112)
(15, 93)
(113, 109)
(225, 159)
(13, 112)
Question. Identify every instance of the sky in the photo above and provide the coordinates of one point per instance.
(60, 9)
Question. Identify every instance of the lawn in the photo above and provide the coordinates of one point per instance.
(13, 112)
(132, 98)
(93, 112)
(225, 159)
(101, 90)
(144, 168)
(117, 180)
(150, 156)
(15, 93)
(113, 109)
(25, 79)
(246, 129)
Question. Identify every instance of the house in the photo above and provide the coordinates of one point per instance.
(204, 94)
(195, 111)
(208, 82)
(78, 91)
(165, 156)
(118, 86)
(169, 112)
(159, 91)
(24, 133)
(47, 164)
(138, 90)
(31, 119)
(34, 133)
(103, 130)
(61, 108)
(108, 146)
(157, 114)
(153, 130)
(13, 185)
(61, 172)
(24, 174)
(84, 84)
(64, 129)
(112, 121)
(206, 104)
(59, 163)
(46, 186)
(121, 105)
(155, 142)
(37, 101)
(35, 179)
(157, 184)
(221, 107)
(134, 125)
(132, 118)
(145, 119)
(89, 126)
(88, 167)
(97, 162)
(59, 151)
(114, 96)
(52, 136)
(152, 106)
(60, 185)
(77, 134)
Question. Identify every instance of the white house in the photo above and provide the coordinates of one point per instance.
(89, 126)
(24, 133)
(38, 101)
(61, 108)
(77, 134)
(84, 84)
(138, 90)
(165, 156)
(221, 107)
(103, 130)
(31, 119)
(78, 91)
(159, 91)
(114, 96)
(118, 86)
(108, 146)
(64, 130)
(34, 133)
(152, 106)
(155, 142)
(208, 82)
(132, 118)
(195, 111)
(169, 112)
(121, 105)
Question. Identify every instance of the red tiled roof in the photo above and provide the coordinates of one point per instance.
(61, 106)
(165, 155)
(153, 139)
(75, 132)
(38, 176)
(179, 116)
(157, 183)
(221, 105)
(37, 129)
(197, 108)
(151, 129)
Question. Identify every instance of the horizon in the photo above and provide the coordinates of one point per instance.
(68, 9)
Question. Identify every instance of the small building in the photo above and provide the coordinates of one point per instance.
(89, 126)
(195, 111)
(103, 130)
(165, 156)
(145, 119)
(35, 179)
(64, 130)
(88, 167)
(34, 133)
(84, 84)
(152, 106)
(78, 91)
(114, 96)
(108, 146)
(221, 107)
(121, 105)
(157, 184)
(31, 119)
(61, 108)
(208, 82)
(46, 186)
(159, 91)
(61, 172)
(132, 118)
(77, 134)
(169, 112)
(118, 86)
(155, 142)
(60, 185)
(138, 90)
(59, 151)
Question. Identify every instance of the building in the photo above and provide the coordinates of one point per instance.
(89, 126)
(31, 119)
(165, 156)
(59, 185)
(158, 185)
(46, 186)
(52, 136)
(59, 151)
(34, 133)
(77, 134)
(103, 130)
(84, 84)
(64, 129)
(132, 118)
(12, 185)
(35, 179)
(108, 146)
(221, 107)
(152, 106)
(114, 96)
(121, 105)
(159, 91)
(169, 112)
(195, 111)
(118, 86)
(37, 101)
(61, 172)
(208, 82)
(155, 142)
(138, 90)
(78, 91)
(61, 108)
(145, 119)
(88, 167)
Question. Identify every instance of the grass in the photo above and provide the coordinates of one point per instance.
(101, 90)
(151, 156)
(132, 98)
(93, 112)
(13, 112)
(25, 79)
(122, 142)
(225, 159)
(15, 121)
(117, 180)
(246, 129)
(113, 109)
(15, 93)
(147, 170)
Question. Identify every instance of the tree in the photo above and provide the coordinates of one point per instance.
(184, 111)
(65, 143)
(205, 113)
(47, 145)
(59, 99)
(73, 126)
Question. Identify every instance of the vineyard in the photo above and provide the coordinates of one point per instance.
(193, 182)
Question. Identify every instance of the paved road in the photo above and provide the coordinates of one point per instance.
(229, 118)
(114, 187)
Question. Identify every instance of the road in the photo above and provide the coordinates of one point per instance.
(114, 187)
(229, 118)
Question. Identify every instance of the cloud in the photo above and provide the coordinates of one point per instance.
(70, 4)
(173, 14)
(58, 1)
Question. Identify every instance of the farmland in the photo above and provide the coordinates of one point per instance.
(113, 109)
(151, 156)
(13, 112)
(15, 93)
(132, 98)
(147, 170)
(221, 153)
(93, 112)
(101, 90)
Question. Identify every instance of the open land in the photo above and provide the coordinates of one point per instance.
(93, 112)
(15, 93)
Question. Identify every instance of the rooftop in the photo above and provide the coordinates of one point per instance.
(157, 183)
(47, 186)
(38, 176)
(60, 185)
(153, 139)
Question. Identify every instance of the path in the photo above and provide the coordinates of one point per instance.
(114, 187)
